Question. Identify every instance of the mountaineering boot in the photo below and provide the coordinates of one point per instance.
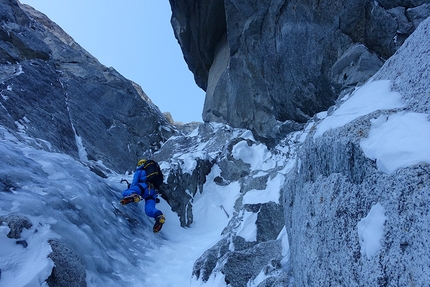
(131, 198)
(159, 221)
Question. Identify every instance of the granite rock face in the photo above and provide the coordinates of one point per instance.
(335, 185)
(328, 186)
(56, 92)
(264, 64)
(275, 63)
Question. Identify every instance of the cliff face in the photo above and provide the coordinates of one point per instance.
(266, 65)
(277, 64)
(54, 91)
(338, 182)
(354, 208)
(295, 214)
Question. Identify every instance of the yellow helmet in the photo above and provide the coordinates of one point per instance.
(141, 162)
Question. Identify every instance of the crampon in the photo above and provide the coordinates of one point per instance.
(159, 221)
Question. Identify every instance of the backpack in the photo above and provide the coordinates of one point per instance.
(153, 173)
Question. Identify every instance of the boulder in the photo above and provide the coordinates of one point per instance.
(69, 271)
(16, 223)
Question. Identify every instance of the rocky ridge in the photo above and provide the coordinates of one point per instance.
(53, 90)
(208, 156)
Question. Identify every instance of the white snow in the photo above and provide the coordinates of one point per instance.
(395, 141)
(283, 235)
(371, 230)
(175, 257)
(374, 95)
(398, 141)
(28, 266)
(256, 155)
(215, 206)
(189, 162)
(270, 194)
(248, 228)
(248, 135)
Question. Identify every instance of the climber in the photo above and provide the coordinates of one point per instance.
(146, 182)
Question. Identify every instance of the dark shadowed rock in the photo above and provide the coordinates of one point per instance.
(205, 265)
(241, 266)
(264, 63)
(199, 25)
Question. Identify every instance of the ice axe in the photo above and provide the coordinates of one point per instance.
(128, 184)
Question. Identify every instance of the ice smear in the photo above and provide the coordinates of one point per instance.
(371, 230)
(248, 227)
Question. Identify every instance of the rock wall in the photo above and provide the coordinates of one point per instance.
(204, 162)
(335, 185)
(264, 64)
(53, 90)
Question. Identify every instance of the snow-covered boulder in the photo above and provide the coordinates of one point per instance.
(69, 269)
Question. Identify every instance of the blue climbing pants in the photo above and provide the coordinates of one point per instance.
(150, 209)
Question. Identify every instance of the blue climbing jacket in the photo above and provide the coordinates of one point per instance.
(139, 176)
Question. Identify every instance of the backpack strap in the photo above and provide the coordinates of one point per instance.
(152, 174)
(148, 163)
(142, 189)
